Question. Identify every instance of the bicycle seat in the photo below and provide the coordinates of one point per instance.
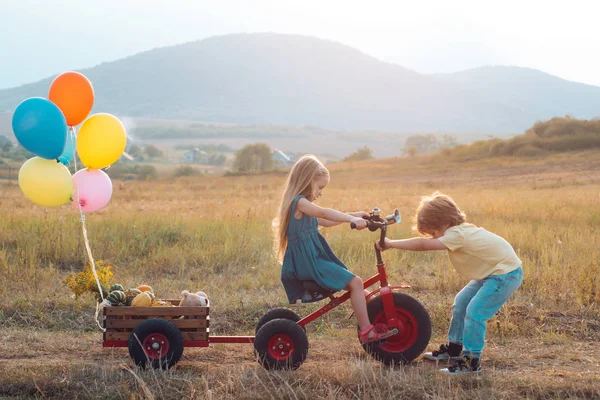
(313, 292)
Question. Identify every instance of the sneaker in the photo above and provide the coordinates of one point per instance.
(452, 351)
(467, 365)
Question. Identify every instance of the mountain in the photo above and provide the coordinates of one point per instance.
(542, 94)
(298, 80)
(6, 125)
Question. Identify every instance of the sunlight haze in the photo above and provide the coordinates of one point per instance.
(41, 38)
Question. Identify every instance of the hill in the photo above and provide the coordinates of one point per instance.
(539, 93)
(6, 125)
(290, 80)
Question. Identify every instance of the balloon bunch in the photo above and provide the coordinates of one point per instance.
(46, 127)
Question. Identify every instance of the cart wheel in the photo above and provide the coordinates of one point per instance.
(413, 335)
(275, 313)
(159, 343)
(281, 344)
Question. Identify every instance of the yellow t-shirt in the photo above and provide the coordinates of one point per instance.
(476, 253)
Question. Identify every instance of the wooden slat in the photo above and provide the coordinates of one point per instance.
(120, 336)
(186, 343)
(176, 302)
(113, 323)
(156, 311)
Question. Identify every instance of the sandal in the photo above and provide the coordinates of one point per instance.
(370, 334)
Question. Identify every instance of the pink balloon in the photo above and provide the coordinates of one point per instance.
(94, 189)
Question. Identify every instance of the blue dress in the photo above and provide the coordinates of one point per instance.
(309, 257)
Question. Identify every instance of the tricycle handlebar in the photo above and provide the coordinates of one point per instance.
(374, 222)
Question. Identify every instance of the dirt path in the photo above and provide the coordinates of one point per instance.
(530, 355)
(68, 365)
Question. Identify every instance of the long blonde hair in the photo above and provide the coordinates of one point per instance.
(299, 182)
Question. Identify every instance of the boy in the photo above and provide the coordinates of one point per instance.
(485, 258)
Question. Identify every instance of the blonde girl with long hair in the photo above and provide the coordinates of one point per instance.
(305, 254)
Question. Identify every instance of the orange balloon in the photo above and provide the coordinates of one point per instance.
(73, 93)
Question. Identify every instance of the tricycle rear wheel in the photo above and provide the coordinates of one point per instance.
(281, 344)
(276, 313)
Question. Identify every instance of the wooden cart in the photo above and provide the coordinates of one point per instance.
(156, 336)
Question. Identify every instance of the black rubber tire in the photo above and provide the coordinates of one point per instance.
(391, 351)
(156, 326)
(294, 335)
(275, 313)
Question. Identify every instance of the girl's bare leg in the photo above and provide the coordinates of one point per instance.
(359, 303)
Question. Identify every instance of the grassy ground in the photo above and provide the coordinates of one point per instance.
(213, 234)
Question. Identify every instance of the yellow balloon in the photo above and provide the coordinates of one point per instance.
(46, 182)
(101, 141)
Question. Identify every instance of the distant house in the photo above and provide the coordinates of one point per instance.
(280, 159)
(190, 156)
(195, 156)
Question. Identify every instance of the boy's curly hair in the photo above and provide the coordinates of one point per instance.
(436, 211)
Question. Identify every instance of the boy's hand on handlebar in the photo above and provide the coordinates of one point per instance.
(359, 223)
(386, 245)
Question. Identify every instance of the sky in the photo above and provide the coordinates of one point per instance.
(42, 38)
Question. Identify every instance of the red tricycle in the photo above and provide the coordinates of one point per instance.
(281, 341)
(156, 336)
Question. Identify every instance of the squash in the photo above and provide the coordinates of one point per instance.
(131, 293)
(116, 287)
(117, 298)
(161, 303)
(145, 288)
(142, 300)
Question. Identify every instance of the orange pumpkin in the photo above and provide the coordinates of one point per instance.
(145, 288)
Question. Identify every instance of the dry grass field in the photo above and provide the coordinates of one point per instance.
(213, 233)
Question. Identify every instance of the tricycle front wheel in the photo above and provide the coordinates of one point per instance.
(413, 335)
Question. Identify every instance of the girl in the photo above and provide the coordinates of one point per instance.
(305, 253)
(485, 258)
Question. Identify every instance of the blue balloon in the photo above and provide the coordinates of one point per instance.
(40, 127)
(69, 151)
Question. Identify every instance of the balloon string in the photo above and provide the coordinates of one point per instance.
(90, 257)
(85, 237)
(72, 138)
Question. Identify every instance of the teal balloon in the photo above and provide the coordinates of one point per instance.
(69, 151)
(40, 127)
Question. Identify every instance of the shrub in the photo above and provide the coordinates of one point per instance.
(529, 151)
(363, 153)
(185, 170)
(253, 157)
(554, 135)
(132, 171)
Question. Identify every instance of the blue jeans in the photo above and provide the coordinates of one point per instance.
(475, 304)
